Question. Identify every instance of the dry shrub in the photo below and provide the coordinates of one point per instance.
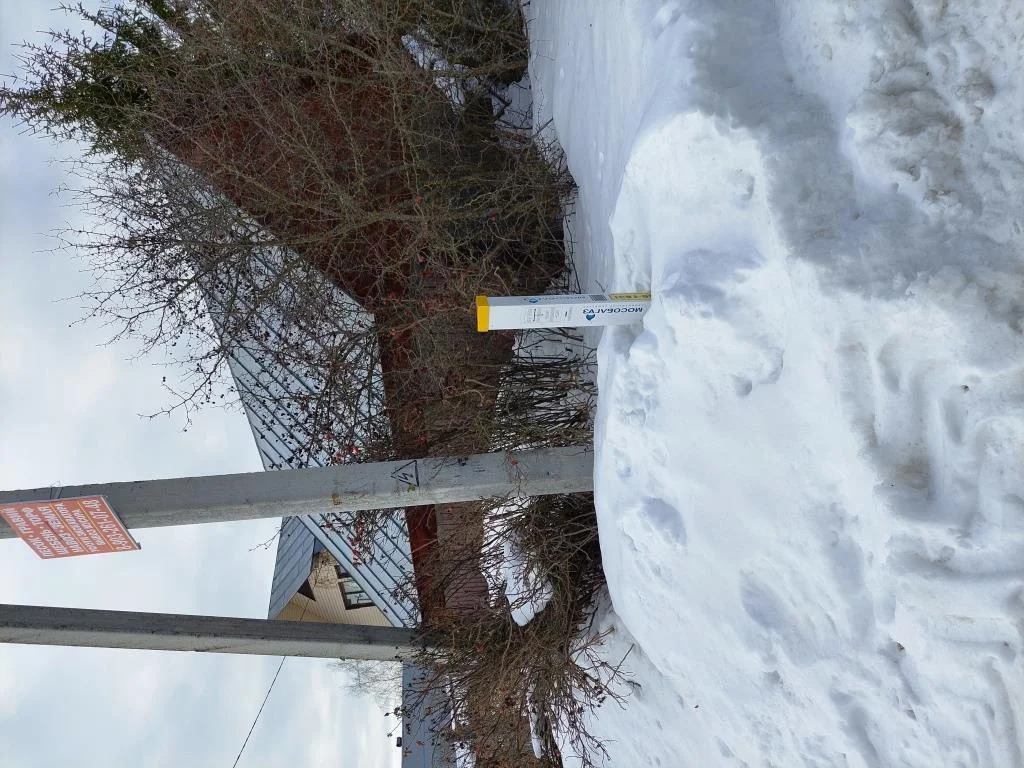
(500, 675)
(473, 41)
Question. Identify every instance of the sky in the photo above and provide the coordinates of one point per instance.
(71, 411)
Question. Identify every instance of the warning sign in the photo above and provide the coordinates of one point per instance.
(85, 525)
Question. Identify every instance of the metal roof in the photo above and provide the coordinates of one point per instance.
(268, 387)
(292, 566)
(382, 566)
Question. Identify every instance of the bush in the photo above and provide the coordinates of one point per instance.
(503, 678)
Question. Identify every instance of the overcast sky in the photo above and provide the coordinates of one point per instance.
(70, 413)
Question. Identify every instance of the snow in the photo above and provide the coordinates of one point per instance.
(526, 589)
(808, 456)
(536, 742)
(511, 573)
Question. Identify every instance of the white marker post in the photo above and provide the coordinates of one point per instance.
(495, 313)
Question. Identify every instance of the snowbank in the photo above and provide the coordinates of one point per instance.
(809, 456)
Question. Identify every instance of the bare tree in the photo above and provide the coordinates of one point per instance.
(380, 681)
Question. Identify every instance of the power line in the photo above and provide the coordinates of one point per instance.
(267, 697)
(257, 719)
(269, 690)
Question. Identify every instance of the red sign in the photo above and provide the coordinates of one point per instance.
(85, 525)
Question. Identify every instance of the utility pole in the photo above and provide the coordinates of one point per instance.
(342, 488)
(257, 495)
(44, 625)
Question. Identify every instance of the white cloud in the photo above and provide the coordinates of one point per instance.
(344, 731)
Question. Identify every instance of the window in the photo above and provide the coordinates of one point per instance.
(351, 592)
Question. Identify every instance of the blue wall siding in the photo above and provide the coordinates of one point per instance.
(292, 567)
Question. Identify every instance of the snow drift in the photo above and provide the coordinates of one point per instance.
(809, 456)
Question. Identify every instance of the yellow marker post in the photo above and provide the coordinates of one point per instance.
(566, 311)
(483, 314)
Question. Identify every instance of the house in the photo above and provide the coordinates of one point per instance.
(331, 567)
(309, 584)
(424, 556)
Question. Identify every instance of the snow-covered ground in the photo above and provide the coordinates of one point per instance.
(809, 456)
